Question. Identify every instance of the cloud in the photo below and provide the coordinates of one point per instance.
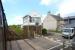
(45, 2)
(18, 20)
(15, 20)
(66, 7)
(3, 0)
(50, 2)
(43, 17)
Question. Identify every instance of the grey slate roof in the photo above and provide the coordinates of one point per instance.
(56, 17)
(72, 21)
(26, 15)
(70, 17)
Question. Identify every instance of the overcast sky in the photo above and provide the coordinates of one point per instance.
(16, 9)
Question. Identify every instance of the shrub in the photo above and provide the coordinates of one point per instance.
(44, 31)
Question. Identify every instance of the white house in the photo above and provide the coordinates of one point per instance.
(52, 22)
(29, 20)
(32, 25)
(32, 19)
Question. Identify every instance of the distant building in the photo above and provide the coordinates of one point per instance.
(29, 20)
(53, 22)
(32, 25)
(69, 21)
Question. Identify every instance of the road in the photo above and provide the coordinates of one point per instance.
(50, 42)
(43, 43)
(59, 39)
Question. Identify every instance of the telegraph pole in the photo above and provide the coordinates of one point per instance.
(28, 27)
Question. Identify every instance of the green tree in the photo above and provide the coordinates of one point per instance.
(16, 28)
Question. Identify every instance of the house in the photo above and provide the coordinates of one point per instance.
(53, 22)
(32, 25)
(69, 21)
(29, 20)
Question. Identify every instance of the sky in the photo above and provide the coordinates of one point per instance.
(15, 10)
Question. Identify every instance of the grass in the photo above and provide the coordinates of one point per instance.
(56, 31)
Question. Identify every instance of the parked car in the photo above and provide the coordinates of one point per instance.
(68, 32)
(73, 43)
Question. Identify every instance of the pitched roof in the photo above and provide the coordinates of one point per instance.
(56, 17)
(26, 16)
(70, 17)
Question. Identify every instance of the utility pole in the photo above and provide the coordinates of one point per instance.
(28, 27)
(28, 31)
(36, 24)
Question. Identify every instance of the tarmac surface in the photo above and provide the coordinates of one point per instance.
(50, 42)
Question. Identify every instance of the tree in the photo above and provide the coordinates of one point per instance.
(16, 28)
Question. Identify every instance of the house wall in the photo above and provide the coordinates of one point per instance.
(34, 20)
(60, 25)
(70, 23)
(50, 23)
(25, 20)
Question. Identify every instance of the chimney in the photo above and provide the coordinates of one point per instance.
(49, 13)
(58, 14)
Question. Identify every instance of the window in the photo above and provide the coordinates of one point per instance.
(36, 19)
(66, 30)
(25, 19)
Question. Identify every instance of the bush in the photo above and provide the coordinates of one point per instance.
(44, 31)
(15, 32)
